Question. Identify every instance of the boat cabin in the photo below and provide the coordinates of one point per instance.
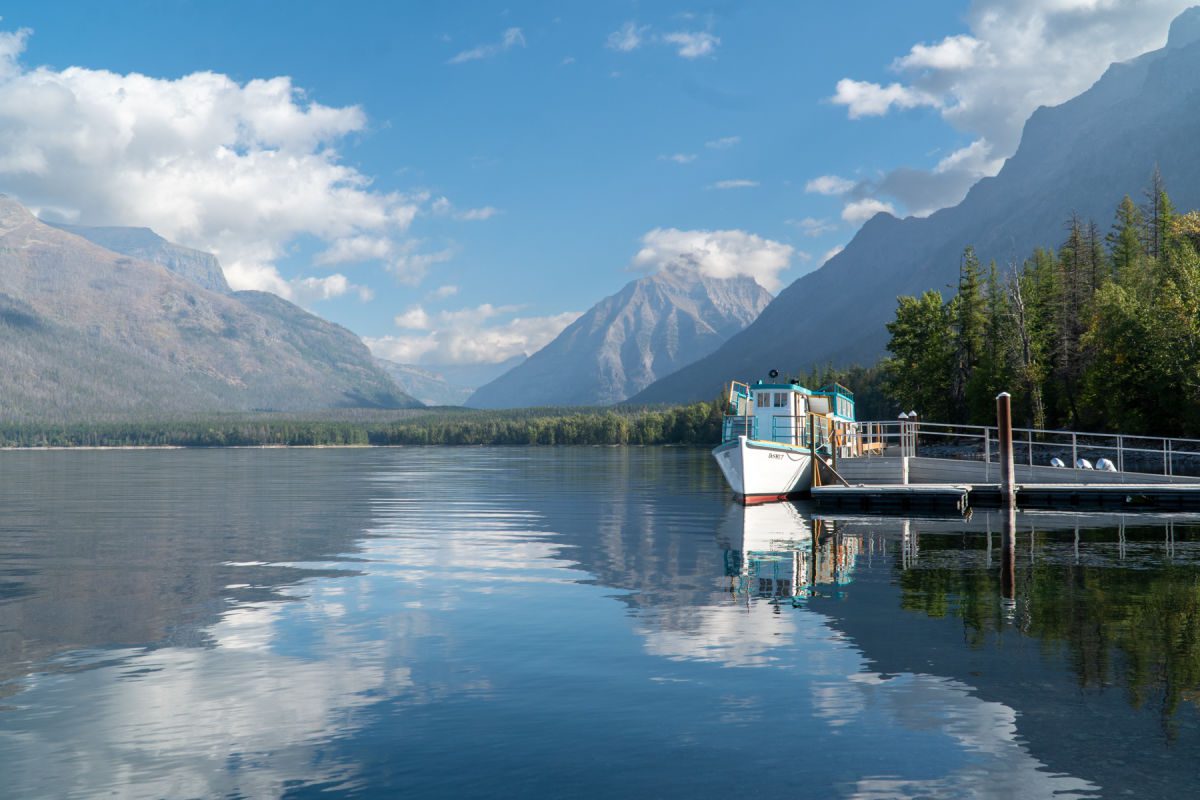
(790, 414)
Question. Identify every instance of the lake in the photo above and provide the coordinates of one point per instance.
(569, 622)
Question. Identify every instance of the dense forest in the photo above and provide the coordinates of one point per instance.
(699, 423)
(1103, 334)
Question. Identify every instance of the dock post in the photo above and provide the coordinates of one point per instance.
(1008, 490)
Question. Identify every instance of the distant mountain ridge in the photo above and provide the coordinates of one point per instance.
(197, 266)
(1081, 156)
(653, 326)
(91, 333)
(426, 385)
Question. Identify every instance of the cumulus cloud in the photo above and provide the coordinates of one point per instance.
(484, 334)
(442, 292)
(679, 158)
(862, 210)
(692, 44)
(831, 252)
(236, 169)
(627, 38)
(952, 53)
(867, 99)
(307, 290)
(414, 319)
(735, 183)
(717, 254)
(1017, 55)
(829, 185)
(509, 39)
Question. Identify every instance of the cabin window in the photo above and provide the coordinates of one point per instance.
(762, 399)
(781, 399)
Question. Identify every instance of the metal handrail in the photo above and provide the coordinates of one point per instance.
(1130, 453)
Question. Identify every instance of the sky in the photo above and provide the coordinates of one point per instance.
(456, 182)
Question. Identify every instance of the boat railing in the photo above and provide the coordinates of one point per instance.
(736, 425)
(799, 430)
(1148, 455)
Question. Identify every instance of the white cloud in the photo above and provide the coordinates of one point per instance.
(831, 252)
(509, 39)
(311, 290)
(723, 143)
(355, 249)
(829, 185)
(976, 159)
(627, 38)
(717, 254)
(735, 183)
(692, 44)
(811, 226)
(1016, 56)
(471, 336)
(952, 53)
(414, 319)
(442, 292)
(240, 170)
(567, 61)
(679, 158)
(866, 99)
(862, 210)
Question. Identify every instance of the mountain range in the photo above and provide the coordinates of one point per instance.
(140, 326)
(650, 328)
(1082, 156)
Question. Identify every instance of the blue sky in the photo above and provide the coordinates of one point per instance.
(477, 172)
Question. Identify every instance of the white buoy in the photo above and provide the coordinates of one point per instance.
(1106, 466)
(1083, 463)
(1057, 462)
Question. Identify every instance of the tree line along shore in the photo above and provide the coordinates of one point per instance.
(694, 424)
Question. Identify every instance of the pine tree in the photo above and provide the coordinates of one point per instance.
(968, 316)
(1125, 244)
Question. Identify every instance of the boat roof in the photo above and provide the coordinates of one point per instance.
(795, 387)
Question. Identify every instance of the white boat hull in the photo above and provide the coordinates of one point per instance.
(761, 472)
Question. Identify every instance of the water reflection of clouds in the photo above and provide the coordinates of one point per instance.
(182, 716)
(999, 764)
(252, 713)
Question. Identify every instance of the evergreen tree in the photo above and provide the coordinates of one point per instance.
(923, 356)
(1125, 243)
(968, 315)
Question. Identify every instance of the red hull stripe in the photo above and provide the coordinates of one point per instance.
(755, 499)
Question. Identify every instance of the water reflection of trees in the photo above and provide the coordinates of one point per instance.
(1132, 622)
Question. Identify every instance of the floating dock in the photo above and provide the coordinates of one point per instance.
(884, 498)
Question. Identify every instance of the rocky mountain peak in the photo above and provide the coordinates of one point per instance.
(653, 326)
(1185, 29)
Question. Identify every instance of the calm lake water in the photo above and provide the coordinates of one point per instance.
(568, 622)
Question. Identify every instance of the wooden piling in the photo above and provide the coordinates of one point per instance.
(1008, 489)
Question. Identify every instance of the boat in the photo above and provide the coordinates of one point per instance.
(772, 433)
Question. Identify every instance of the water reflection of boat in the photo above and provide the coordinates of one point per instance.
(774, 551)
